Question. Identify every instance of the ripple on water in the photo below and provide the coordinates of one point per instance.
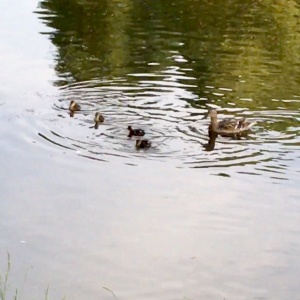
(177, 130)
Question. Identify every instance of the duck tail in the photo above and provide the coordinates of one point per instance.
(250, 124)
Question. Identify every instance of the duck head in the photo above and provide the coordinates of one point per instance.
(212, 113)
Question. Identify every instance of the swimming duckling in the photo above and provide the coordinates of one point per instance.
(142, 144)
(98, 119)
(73, 107)
(228, 126)
(136, 132)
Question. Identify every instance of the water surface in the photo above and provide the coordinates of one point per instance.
(86, 213)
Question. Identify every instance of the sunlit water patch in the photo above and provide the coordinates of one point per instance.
(166, 110)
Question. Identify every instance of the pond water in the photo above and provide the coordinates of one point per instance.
(85, 215)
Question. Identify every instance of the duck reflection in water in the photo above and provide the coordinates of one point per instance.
(73, 107)
(210, 146)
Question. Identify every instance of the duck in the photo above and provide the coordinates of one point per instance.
(98, 119)
(135, 132)
(73, 107)
(142, 144)
(228, 126)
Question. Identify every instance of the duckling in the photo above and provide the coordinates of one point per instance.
(142, 144)
(228, 126)
(241, 123)
(136, 132)
(98, 119)
(73, 107)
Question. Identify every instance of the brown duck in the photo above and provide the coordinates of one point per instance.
(135, 132)
(142, 144)
(228, 126)
(73, 107)
(98, 119)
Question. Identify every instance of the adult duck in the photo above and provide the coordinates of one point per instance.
(228, 126)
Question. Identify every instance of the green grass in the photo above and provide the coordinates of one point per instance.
(4, 281)
(4, 284)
